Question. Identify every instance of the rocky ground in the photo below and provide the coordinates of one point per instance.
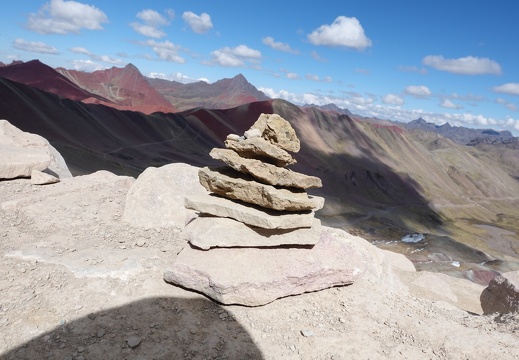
(78, 282)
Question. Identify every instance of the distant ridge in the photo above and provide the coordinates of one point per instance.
(331, 107)
(222, 94)
(459, 134)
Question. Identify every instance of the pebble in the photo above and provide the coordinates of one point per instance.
(307, 333)
(133, 341)
(91, 316)
(101, 333)
(140, 242)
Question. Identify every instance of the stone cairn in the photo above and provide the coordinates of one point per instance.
(256, 238)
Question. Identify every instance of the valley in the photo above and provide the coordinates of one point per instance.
(381, 180)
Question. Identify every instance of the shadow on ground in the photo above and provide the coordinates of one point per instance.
(154, 328)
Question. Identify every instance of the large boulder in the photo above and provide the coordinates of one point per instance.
(271, 274)
(156, 199)
(502, 294)
(21, 152)
(233, 185)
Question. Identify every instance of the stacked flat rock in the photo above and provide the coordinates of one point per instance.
(257, 216)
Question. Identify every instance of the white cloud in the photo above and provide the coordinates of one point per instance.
(87, 65)
(508, 105)
(152, 17)
(64, 17)
(418, 91)
(392, 99)
(315, 55)
(166, 50)
(234, 57)
(365, 106)
(148, 30)
(152, 23)
(278, 45)
(344, 31)
(468, 65)
(314, 77)
(412, 69)
(179, 77)
(446, 103)
(34, 46)
(198, 23)
(362, 71)
(103, 58)
(291, 75)
(80, 50)
(508, 88)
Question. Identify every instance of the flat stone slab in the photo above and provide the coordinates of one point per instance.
(207, 232)
(265, 172)
(254, 277)
(234, 185)
(259, 148)
(247, 213)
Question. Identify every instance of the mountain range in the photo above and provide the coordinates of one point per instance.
(381, 180)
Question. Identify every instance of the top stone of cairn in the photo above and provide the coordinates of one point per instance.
(277, 131)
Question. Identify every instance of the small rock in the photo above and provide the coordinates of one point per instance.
(252, 133)
(101, 333)
(140, 242)
(80, 349)
(91, 316)
(133, 341)
(307, 333)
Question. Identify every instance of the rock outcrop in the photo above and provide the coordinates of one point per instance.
(256, 239)
(156, 199)
(21, 153)
(502, 294)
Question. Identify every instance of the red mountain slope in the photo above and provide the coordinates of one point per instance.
(125, 87)
(36, 74)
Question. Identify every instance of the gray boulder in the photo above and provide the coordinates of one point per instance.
(156, 199)
(21, 152)
(502, 294)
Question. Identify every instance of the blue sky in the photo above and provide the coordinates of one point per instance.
(445, 61)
